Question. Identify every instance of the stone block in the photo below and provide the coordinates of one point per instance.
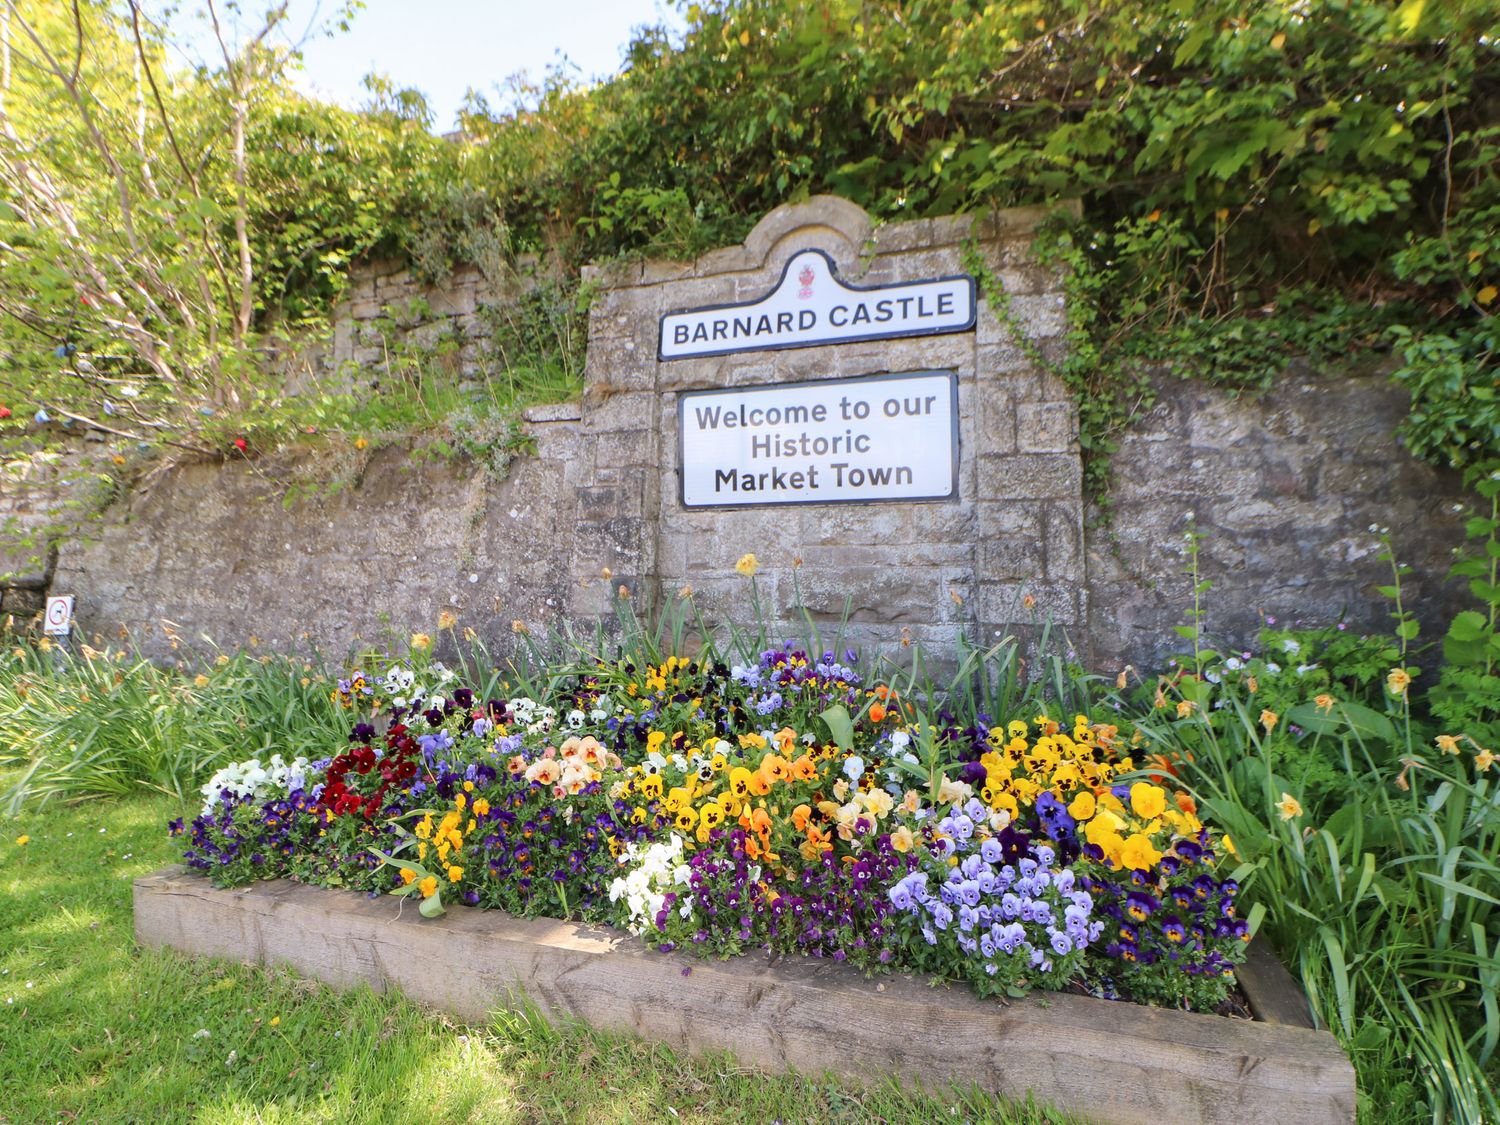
(654, 272)
(837, 217)
(995, 423)
(895, 238)
(1046, 427)
(553, 412)
(1010, 558)
(1041, 315)
(731, 259)
(1064, 542)
(1033, 476)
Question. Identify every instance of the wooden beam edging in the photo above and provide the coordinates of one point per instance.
(1105, 1061)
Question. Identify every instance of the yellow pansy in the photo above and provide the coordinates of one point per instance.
(1138, 853)
(1148, 801)
(1082, 806)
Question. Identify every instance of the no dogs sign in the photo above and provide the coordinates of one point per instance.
(58, 620)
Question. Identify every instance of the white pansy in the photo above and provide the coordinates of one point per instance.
(254, 779)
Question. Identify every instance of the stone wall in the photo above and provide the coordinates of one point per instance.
(1283, 488)
(41, 491)
(211, 555)
(925, 571)
(387, 306)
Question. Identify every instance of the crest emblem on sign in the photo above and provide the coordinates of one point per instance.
(806, 278)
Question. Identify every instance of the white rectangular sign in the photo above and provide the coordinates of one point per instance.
(58, 619)
(811, 305)
(883, 437)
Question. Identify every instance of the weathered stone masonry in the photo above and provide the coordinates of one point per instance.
(1285, 488)
(933, 568)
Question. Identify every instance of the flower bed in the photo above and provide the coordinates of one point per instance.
(782, 805)
(785, 805)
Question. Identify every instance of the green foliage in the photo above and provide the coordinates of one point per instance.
(1454, 380)
(1372, 858)
(1256, 183)
(1467, 695)
(109, 723)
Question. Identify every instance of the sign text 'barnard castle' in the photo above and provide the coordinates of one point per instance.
(811, 306)
(882, 437)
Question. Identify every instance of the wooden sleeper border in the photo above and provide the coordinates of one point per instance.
(1102, 1060)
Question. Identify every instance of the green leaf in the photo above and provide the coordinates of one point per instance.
(432, 906)
(1467, 626)
(1355, 718)
(1409, 15)
(1257, 914)
(840, 726)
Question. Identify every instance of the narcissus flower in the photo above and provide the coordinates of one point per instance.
(1289, 807)
(1483, 760)
(1397, 681)
(1269, 719)
(1324, 702)
(1446, 743)
(420, 642)
(747, 566)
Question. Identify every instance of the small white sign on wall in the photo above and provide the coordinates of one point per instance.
(57, 621)
(811, 305)
(882, 437)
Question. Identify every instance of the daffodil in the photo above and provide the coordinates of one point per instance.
(747, 566)
(1289, 807)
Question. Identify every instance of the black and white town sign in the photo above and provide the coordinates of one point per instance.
(882, 437)
(811, 306)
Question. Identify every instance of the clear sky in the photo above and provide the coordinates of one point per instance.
(444, 47)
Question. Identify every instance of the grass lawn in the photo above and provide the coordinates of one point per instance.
(93, 1029)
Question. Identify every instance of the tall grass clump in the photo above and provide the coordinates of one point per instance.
(1368, 825)
(102, 723)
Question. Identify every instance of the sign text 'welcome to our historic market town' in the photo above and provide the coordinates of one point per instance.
(882, 437)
